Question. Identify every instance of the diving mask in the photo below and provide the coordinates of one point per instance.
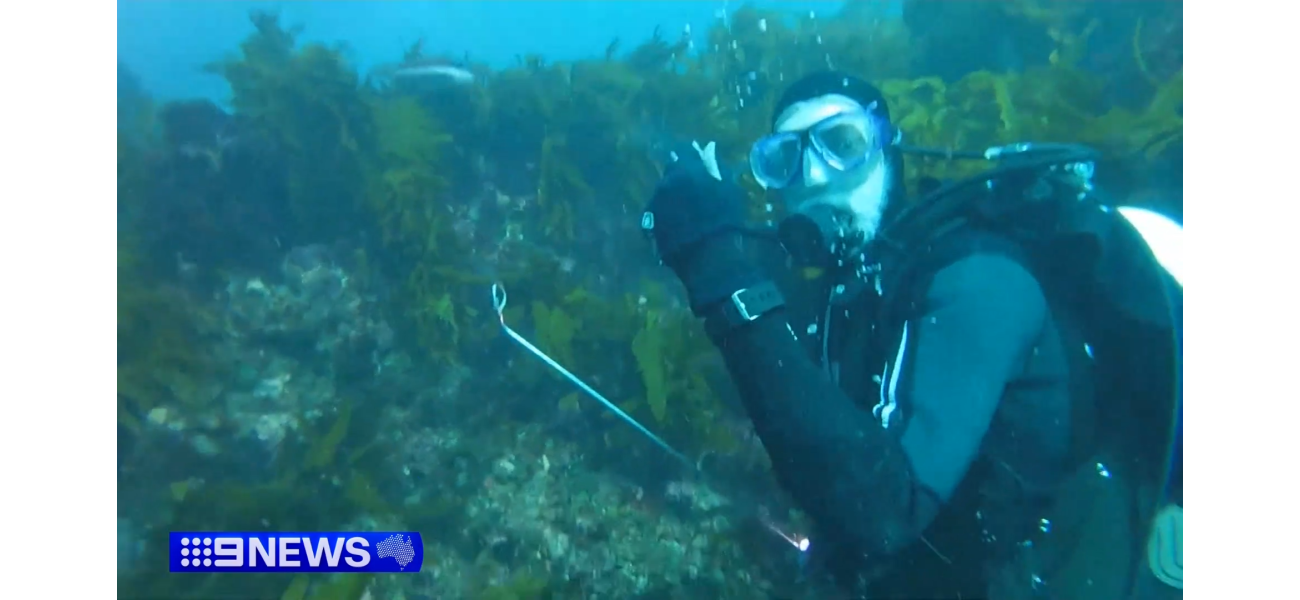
(838, 143)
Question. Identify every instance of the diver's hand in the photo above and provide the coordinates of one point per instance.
(692, 202)
(695, 218)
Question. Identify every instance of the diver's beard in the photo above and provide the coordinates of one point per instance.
(834, 228)
(858, 211)
(867, 202)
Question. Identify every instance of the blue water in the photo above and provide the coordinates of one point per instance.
(166, 42)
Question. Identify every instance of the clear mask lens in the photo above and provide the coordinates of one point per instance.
(844, 141)
(776, 159)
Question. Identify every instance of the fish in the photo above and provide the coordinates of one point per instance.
(434, 67)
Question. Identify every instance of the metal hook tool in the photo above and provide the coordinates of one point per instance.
(499, 304)
(800, 543)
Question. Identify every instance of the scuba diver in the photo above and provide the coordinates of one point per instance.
(980, 401)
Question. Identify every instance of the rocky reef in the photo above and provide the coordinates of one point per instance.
(305, 330)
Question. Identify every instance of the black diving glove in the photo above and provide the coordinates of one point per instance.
(696, 218)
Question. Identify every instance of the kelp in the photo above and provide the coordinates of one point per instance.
(322, 482)
(405, 182)
(163, 352)
(163, 329)
(406, 196)
(647, 347)
(304, 102)
(555, 330)
(572, 151)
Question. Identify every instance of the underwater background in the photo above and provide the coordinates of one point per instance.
(309, 231)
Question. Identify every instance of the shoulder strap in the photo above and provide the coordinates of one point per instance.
(906, 278)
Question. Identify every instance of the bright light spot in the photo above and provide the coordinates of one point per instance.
(1162, 234)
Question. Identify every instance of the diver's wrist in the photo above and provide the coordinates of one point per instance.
(741, 308)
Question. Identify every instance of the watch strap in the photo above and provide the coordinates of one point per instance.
(743, 306)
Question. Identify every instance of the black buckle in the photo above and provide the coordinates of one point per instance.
(741, 309)
(743, 306)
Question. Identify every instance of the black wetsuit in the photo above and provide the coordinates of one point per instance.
(928, 383)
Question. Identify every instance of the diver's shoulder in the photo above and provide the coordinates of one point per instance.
(982, 271)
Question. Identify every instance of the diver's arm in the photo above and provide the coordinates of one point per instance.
(857, 481)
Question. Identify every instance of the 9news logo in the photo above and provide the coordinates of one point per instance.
(190, 554)
(321, 552)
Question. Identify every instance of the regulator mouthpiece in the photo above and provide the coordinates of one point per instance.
(818, 236)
